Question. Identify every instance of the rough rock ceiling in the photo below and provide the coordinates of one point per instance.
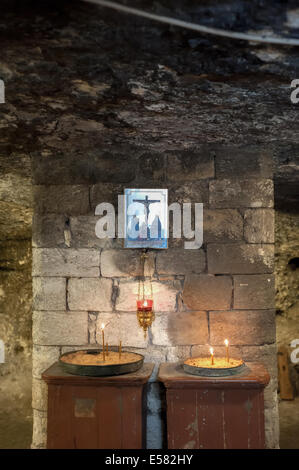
(74, 70)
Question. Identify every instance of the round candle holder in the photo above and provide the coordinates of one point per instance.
(203, 366)
(90, 362)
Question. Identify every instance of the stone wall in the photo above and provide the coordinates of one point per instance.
(223, 290)
(287, 281)
(15, 297)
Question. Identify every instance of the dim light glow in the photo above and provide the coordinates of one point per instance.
(226, 342)
(212, 351)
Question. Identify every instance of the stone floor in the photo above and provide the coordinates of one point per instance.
(289, 424)
(17, 432)
(15, 412)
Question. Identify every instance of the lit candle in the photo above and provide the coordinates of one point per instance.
(227, 352)
(107, 353)
(212, 356)
(103, 340)
(119, 350)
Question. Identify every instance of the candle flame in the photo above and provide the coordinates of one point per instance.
(226, 342)
(102, 326)
(212, 351)
(145, 303)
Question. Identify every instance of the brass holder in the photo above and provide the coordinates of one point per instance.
(219, 367)
(145, 312)
(145, 319)
(70, 366)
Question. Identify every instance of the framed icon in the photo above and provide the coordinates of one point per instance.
(146, 218)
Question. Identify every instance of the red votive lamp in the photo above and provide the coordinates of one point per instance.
(145, 305)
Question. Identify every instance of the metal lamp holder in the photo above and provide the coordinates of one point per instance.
(145, 313)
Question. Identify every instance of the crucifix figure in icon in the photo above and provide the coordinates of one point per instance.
(146, 202)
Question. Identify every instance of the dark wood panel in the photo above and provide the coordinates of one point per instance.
(210, 419)
(110, 414)
(59, 418)
(215, 413)
(237, 412)
(182, 424)
(84, 417)
(132, 418)
(105, 413)
(257, 421)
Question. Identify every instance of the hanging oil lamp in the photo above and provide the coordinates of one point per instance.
(145, 301)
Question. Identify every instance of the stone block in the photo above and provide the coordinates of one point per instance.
(42, 358)
(122, 327)
(83, 235)
(39, 436)
(91, 167)
(203, 350)
(61, 199)
(151, 168)
(178, 353)
(256, 291)
(222, 225)
(49, 293)
(164, 295)
(60, 328)
(270, 393)
(245, 161)
(90, 294)
(207, 292)
(181, 328)
(240, 259)
(190, 165)
(266, 354)
(124, 263)
(191, 192)
(39, 395)
(242, 327)
(105, 192)
(272, 427)
(154, 354)
(66, 262)
(174, 261)
(50, 230)
(259, 225)
(230, 193)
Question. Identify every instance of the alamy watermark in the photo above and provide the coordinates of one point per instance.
(2, 92)
(295, 353)
(183, 217)
(295, 92)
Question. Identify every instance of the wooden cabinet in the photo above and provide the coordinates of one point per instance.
(96, 412)
(215, 413)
